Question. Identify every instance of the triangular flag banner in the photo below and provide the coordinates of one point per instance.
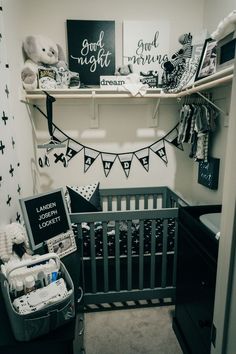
(90, 156)
(108, 161)
(126, 160)
(160, 150)
(59, 136)
(143, 157)
(73, 148)
(172, 137)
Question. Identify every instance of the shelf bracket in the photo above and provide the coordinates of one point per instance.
(94, 111)
(154, 121)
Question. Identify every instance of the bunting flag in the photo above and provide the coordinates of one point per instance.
(107, 162)
(160, 150)
(126, 161)
(143, 157)
(172, 137)
(73, 147)
(90, 156)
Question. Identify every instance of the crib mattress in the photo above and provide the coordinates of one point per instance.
(212, 222)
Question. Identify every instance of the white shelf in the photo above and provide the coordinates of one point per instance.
(217, 79)
(223, 77)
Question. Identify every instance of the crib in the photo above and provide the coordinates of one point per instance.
(129, 249)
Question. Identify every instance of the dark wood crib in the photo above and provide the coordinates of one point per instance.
(129, 249)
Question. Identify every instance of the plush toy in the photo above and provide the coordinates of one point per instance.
(45, 65)
(227, 25)
(175, 68)
(13, 239)
(124, 70)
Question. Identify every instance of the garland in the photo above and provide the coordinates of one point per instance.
(74, 147)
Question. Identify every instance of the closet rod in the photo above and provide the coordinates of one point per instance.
(211, 103)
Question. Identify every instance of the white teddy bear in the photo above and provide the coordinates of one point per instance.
(10, 235)
(45, 65)
(227, 25)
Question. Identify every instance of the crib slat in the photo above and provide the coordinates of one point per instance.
(128, 202)
(109, 203)
(105, 257)
(118, 202)
(141, 232)
(117, 255)
(154, 205)
(145, 201)
(137, 202)
(153, 244)
(129, 256)
(164, 253)
(93, 258)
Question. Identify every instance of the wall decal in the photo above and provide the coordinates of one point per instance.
(91, 48)
(10, 186)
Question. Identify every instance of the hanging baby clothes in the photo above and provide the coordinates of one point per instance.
(197, 121)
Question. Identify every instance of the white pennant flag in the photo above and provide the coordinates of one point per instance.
(108, 161)
(160, 150)
(90, 156)
(143, 157)
(59, 136)
(126, 160)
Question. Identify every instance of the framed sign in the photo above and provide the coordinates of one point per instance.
(146, 46)
(208, 173)
(91, 49)
(208, 60)
(45, 216)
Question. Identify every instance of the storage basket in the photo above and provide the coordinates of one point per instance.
(32, 325)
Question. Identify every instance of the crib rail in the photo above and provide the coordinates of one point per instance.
(125, 271)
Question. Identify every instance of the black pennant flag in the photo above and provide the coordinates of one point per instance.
(143, 157)
(126, 160)
(172, 137)
(108, 161)
(73, 148)
(90, 156)
(160, 150)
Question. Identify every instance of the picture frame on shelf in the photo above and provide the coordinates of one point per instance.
(208, 61)
(62, 244)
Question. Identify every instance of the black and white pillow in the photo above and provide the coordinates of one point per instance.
(82, 199)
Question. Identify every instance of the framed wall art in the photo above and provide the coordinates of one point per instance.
(91, 49)
(146, 46)
(208, 60)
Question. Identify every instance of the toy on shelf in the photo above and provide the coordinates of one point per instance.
(45, 66)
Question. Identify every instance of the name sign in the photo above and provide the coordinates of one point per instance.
(45, 216)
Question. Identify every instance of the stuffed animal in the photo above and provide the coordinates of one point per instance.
(13, 238)
(227, 25)
(45, 65)
(175, 68)
(124, 70)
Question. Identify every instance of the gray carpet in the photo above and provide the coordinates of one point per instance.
(133, 331)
